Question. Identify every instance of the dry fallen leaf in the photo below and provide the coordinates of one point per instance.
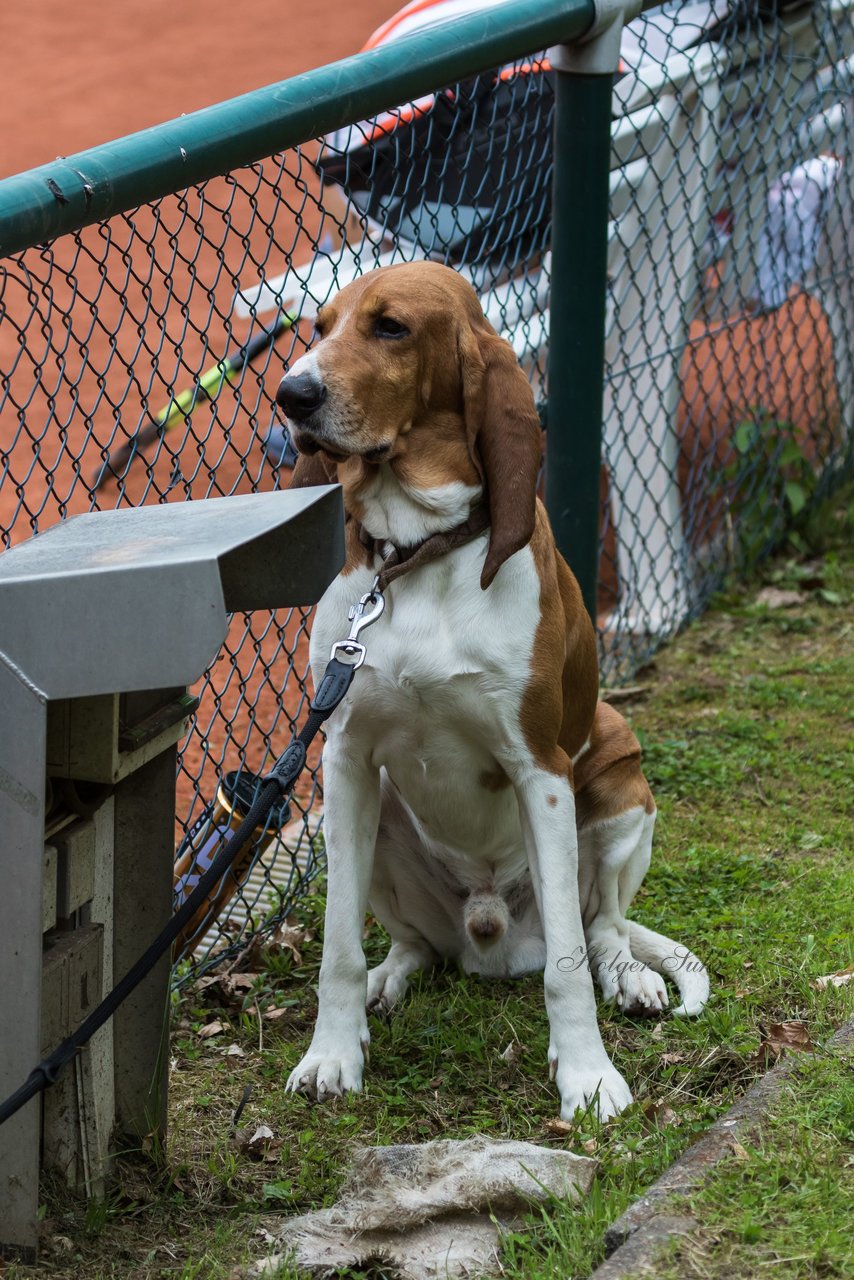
(290, 936)
(260, 1145)
(212, 1029)
(660, 1113)
(270, 1015)
(238, 981)
(781, 1036)
(559, 1128)
(837, 979)
(657, 1032)
(235, 1051)
(668, 1059)
(235, 988)
(791, 1035)
(203, 983)
(590, 1146)
(512, 1052)
(774, 598)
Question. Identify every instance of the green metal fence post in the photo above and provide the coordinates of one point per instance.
(584, 82)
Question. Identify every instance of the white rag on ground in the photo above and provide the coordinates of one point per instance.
(429, 1211)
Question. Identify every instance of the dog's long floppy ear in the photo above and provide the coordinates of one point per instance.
(504, 437)
(317, 469)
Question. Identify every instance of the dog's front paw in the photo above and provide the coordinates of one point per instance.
(600, 1089)
(323, 1075)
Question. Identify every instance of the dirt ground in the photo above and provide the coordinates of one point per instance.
(77, 75)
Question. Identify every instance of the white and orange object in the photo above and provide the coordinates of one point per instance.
(676, 199)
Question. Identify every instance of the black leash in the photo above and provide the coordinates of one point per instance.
(276, 786)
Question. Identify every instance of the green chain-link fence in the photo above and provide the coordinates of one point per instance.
(140, 354)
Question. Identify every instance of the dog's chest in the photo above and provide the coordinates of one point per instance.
(437, 703)
(442, 645)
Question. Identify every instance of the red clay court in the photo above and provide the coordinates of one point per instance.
(87, 73)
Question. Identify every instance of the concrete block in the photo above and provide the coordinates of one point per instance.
(54, 1015)
(49, 887)
(106, 737)
(76, 1130)
(76, 871)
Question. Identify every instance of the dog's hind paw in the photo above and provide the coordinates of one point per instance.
(320, 1076)
(633, 987)
(642, 994)
(387, 985)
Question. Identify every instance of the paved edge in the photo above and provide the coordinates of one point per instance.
(635, 1237)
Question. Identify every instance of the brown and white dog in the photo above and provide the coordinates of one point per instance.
(477, 795)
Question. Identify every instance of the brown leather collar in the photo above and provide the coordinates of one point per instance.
(403, 560)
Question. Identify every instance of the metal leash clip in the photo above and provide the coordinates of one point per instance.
(359, 619)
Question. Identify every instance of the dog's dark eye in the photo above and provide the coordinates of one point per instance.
(385, 327)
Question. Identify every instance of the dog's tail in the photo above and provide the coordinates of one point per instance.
(674, 961)
(486, 918)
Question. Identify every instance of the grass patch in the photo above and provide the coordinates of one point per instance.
(784, 1205)
(747, 732)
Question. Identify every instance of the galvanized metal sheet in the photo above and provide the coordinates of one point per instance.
(138, 599)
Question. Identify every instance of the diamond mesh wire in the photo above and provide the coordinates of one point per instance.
(728, 374)
(728, 378)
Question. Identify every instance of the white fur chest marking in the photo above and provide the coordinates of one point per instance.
(403, 516)
(438, 701)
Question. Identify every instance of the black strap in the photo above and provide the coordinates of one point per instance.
(337, 679)
(275, 784)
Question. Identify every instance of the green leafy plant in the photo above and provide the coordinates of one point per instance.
(769, 482)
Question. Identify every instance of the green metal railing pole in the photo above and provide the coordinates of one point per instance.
(577, 326)
(94, 185)
(582, 158)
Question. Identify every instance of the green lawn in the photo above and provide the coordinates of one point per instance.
(782, 1205)
(746, 722)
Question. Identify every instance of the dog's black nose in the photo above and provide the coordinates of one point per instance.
(300, 395)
